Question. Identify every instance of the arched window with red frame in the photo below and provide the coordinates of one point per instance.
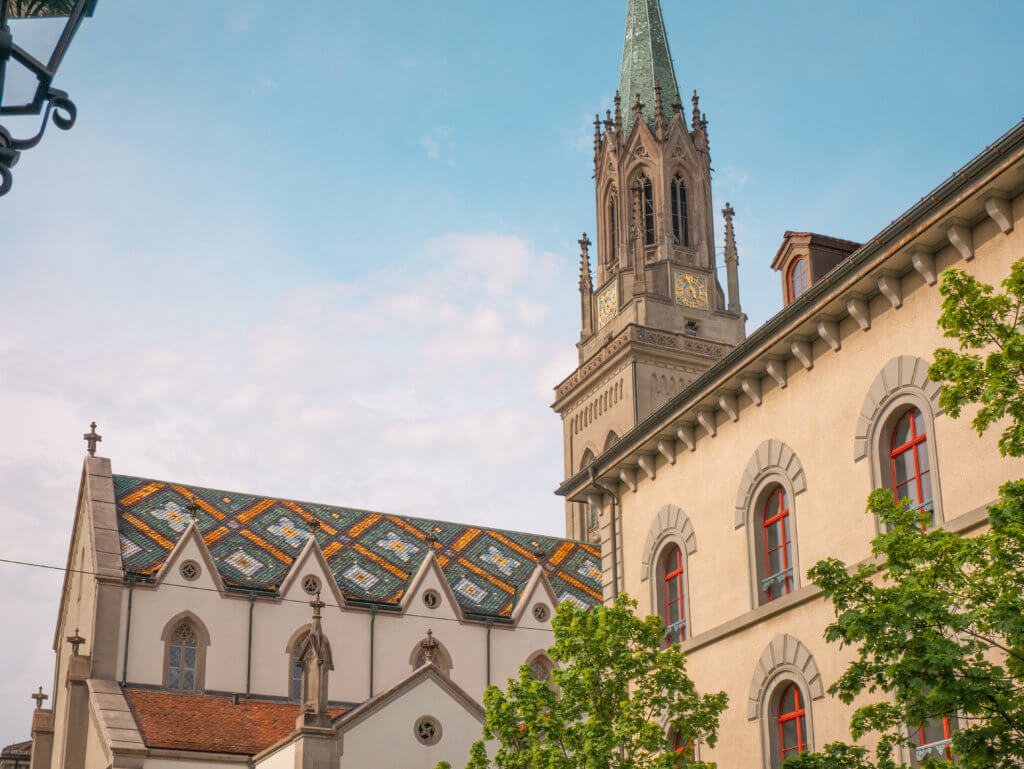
(682, 745)
(797, 278)
(777, 564)
(932, 740)
(908, 460)
(674, 595)
(792, 723)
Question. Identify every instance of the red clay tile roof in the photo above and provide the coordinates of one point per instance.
(17, 750)
(209, 722)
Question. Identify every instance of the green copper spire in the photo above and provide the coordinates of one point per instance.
(645, 61)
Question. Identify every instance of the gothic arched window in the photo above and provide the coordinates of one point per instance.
(908, 460)
(541, 666)
(777, 565)
(295, 676)
(792, 724)
(680, 224)
(647, 209)
(673, 588)
(610, 230)
(181, 659)
(797, 279)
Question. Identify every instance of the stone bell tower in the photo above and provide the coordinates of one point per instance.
(656, 317)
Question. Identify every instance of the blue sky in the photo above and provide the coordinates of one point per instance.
(332, 255)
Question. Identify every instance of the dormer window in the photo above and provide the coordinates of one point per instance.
(798, 278)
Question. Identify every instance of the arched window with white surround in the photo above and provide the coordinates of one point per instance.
(680, 219)
(786, 681)
(541, 666)
(670, 543)
(896, 434)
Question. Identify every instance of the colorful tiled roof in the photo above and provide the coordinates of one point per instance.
(253, 541)
(210, 723)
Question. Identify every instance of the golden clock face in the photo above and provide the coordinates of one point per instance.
(607, 304)
(692, 290)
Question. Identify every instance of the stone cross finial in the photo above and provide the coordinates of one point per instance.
(317, 605)
(314, 523)
(608, 123)
(91, 439)
(728, 212)
(538, 552)
(618, 113)
(429, 646)
(584, 246)
(75, 640)
(39, 697)
(193, 508)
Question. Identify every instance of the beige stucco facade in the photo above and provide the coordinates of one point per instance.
(803, 404)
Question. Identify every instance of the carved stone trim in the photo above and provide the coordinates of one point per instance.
(900, 374)
(772, 455)
(671, 522)
(785, 654)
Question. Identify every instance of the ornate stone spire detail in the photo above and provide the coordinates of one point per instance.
(586, 288)
(618, 114)
(696, 111)
(315, 658)
(659, 112)
(731, 260)
(646, 59)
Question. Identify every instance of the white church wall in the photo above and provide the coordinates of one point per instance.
(386, 738)
(284, 758)
(162, 762)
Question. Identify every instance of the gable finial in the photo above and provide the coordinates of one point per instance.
(585, 244)
(39, 697)
(696, 110)
(193, 508)
(75, 640)
(429, 646)
(91, 439)
(618, 113)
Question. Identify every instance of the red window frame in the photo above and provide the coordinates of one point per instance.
(916, 444)
(945, 735)
(673, 569)
(688, 747)
(793, 295)
(799, 715)
(780, 519)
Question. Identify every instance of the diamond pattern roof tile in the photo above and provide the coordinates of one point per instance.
(254, 540)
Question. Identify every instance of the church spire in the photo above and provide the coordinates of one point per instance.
(646, 61)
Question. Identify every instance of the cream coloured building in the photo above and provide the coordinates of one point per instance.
(715, 468)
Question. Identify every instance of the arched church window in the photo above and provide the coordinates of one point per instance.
(674, 594)
(680, 225)
(610, 230)
(296, 673)
(777, 565)
(181, 659)
(541, 667)
(797, 278)
(908, 461)
(792, 724)
(647, 205)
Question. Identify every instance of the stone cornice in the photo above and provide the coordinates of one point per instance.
(641, 336)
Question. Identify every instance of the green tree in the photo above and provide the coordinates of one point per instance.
(938, 619)
(988, 369)
(27, 9)
(606, 703)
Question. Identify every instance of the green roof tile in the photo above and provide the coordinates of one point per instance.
(646, 60)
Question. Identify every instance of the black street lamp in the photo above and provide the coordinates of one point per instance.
(64, 16)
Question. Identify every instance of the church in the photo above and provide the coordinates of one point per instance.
(705, 469)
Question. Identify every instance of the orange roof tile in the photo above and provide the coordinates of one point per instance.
(210, 722)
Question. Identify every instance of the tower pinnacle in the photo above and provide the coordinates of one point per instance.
(646, 61)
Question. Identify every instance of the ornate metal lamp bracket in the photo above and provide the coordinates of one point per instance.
(64, 113)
